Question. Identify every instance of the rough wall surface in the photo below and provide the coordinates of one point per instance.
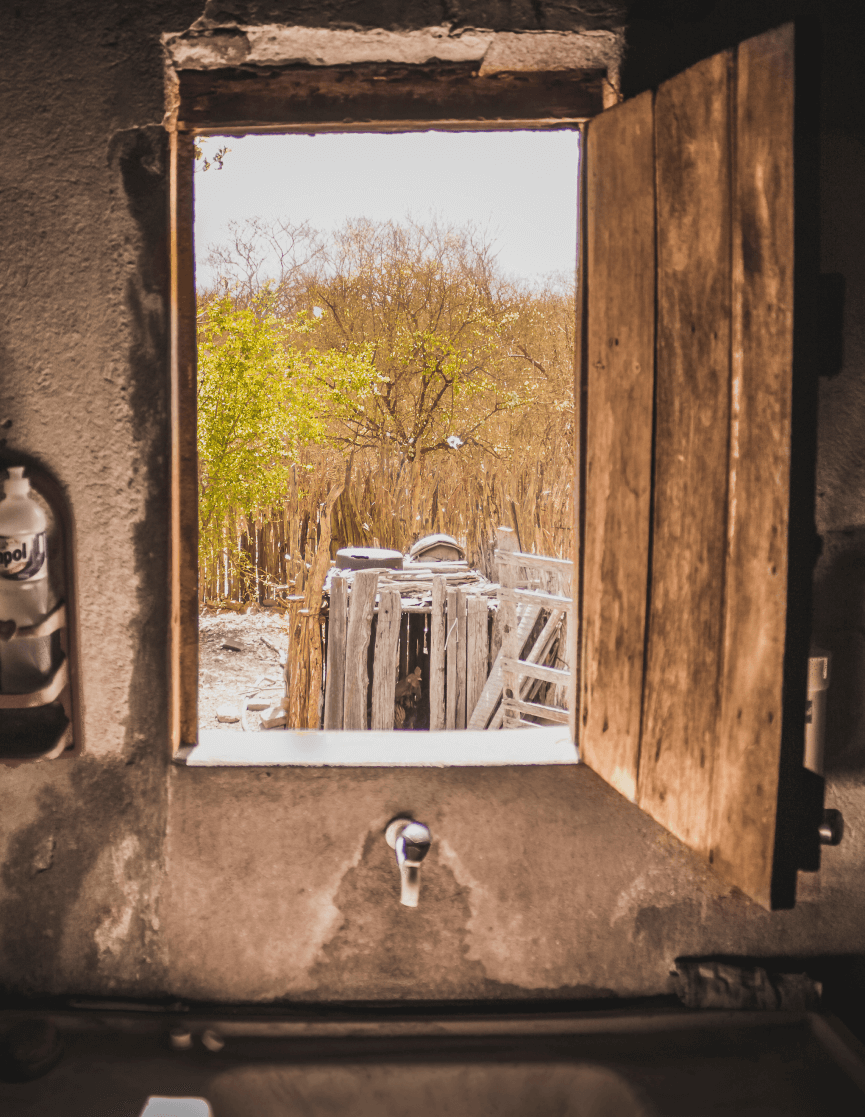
(541, 882)
(83, 382)
(278, 884)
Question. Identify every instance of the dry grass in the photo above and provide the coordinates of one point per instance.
(392, 504)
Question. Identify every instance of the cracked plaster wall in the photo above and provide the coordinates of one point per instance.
(277, 884)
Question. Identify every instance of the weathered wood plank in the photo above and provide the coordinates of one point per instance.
(749, 745)
(549, 713)
(534, 671)
(537, 562)
(680, 721)
(510, 644)
(541, 597)
(562, 697)
(334, 696)
(492, 691)
(477, 641)
(438, 632)
(452, 640)
(506, 540)
(461, 660)
(363, 590)
(536, 653)
(619, 348)
(386, 660)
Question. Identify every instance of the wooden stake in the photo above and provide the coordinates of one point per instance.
(476, 650)
(334, 697)
(403, 647)
(461, 660)
(452, 650)
(386, 656)
(438, 632)
(510, 645)
(363, 590)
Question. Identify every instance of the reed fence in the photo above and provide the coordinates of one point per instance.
(267, 556)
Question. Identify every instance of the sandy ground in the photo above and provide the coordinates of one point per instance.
(240, 658)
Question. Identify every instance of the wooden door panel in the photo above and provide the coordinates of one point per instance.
(686, 603)
(716, 755)
(620, 254)
(749, 743)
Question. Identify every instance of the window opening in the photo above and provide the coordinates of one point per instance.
(385, 377)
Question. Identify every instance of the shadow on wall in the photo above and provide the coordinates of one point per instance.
(839, 626)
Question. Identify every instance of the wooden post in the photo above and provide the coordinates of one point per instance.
(451, 645)
(461, 660)
(386, 656)
(438, 632)
(363, 591)
(508, 621)
(403, 646)
(506, 540)
(334, 695)
(476, 650)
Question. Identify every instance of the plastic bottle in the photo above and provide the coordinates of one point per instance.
(25, 594)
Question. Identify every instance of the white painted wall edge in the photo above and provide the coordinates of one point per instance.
(221, 748)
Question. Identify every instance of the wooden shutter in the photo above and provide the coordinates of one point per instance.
(688, 382)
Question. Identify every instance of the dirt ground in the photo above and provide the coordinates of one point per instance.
(241, 657)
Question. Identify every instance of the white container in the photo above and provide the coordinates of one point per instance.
(25, 595)
(815, 717)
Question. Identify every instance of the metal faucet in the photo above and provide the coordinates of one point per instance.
(411, 841)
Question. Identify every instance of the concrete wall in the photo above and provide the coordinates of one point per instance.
(124, 876)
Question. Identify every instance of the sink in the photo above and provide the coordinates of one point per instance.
(457, 1089)
(660, 1061)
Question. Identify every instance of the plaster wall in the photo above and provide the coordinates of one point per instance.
(123, 875)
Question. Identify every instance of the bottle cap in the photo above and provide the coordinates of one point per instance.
(16, 484)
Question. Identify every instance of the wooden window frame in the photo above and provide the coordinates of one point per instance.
(544, 82)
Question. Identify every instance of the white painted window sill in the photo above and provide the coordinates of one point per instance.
(225, 748)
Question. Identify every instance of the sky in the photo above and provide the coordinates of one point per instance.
(520, 186)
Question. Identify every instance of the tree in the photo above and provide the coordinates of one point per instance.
(404, 344)
(254, 409)
(261, 396)
(420, 300)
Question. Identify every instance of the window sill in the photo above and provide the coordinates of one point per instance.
(281, 748)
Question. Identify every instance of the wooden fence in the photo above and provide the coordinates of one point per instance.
(457, 663)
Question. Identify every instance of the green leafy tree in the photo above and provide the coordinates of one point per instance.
(262, 394)
(254, 409)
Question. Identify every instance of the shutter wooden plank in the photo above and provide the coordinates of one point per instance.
(680, 721)
(620, 343)
(749, 747)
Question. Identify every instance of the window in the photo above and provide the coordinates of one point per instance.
(455, 85)
(694, 543)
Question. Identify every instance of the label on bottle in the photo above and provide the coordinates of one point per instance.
(22, 557)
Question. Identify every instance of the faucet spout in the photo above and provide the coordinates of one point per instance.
(410, 841)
